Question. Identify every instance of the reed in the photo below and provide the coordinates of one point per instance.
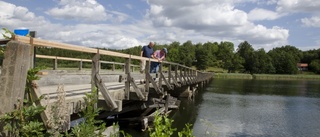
(286, 77)
(265, 76)
(233, 76)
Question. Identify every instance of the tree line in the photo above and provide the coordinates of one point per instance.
(244, 59)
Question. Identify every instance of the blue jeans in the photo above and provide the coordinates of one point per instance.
(154, 67)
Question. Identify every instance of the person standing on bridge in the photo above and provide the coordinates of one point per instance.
(147, 52)
(160, 55)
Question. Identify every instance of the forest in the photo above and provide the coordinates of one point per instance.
(243, 59)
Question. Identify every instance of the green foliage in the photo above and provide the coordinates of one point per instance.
(201, 58)
(23, 121)
(6, 32)
(246, 51)
(90, 126)
(116, 133)
(163, 127)
(283, 62)
(315, 66)
(31, 76)
(186, 132)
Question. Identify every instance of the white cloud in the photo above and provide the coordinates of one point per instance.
(219, 20)
(91, 35)
(87, 10)
(262, 14)
(298, 6)
(12, 17)
(311, 22)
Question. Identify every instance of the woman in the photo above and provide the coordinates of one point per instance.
(160, 55)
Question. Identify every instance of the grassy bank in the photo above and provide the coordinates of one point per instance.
(265, 76)
(285, 77)
(233, 75)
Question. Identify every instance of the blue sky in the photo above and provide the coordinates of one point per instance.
(127, 23)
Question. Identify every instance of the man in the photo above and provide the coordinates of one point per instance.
(147, 52)
(160, 55)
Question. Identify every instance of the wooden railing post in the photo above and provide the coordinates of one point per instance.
(80, 65)
(132, 68)
(176, 72)
(169, 73)
(55, 64)
(160, 76)
(147, 71)
(127, 82)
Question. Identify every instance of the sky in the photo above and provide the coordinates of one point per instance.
(121, 24)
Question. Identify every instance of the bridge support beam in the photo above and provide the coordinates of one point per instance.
(13, 76)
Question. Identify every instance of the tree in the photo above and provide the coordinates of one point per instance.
(187, 53)
(262, 63)
(225, 53)
(246, 51)
(212, 49)
(283, 62)
(315, 66)
(201, 58)
(234, 63)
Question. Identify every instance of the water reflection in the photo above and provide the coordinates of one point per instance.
(252, 108)
(241, 108)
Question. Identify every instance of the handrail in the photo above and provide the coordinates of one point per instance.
(78, 59)
(45, 43)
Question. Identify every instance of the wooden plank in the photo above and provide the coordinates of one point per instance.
(106, 95)
(137, 90)
(155, 86)
(165, 81)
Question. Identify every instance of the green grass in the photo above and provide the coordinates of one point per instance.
(233, 76)
(216, 70)
(285, 77)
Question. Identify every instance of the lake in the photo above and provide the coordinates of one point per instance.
(252, 108)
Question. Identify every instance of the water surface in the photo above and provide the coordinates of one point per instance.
(264, 108)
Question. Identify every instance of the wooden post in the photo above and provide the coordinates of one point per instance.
(113, 66)
(127, 83)
(169, 74)
(160, 76)
(166, 105)
(55, 64)
(147, 71)
(176, 73)
(80, 65)
(13, 76)
(95, 70)
(32, 50)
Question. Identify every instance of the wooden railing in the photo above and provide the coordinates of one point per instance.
(56, 58)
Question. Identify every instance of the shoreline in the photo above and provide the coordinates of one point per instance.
(265, 76)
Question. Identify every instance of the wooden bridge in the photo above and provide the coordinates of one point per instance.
(126, 93)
